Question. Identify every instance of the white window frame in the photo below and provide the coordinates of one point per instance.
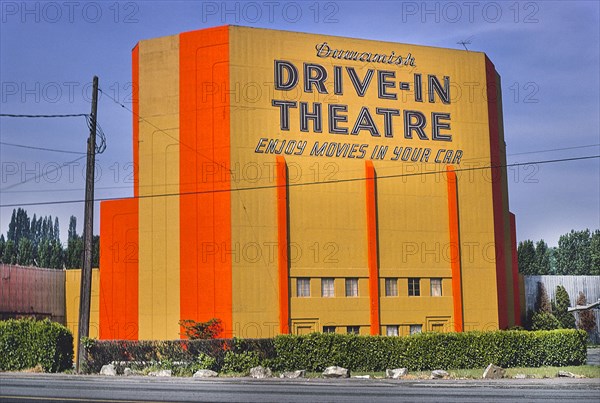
(303, 287)
(327, 287)
(351, 284)
(437, 290)
(391, 287)
(413, 289)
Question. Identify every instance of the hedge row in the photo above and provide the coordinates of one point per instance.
(25, 343)
(429, 351)
(317, 351)
(101, 352)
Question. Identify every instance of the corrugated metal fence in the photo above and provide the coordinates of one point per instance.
(590, 285)
(31, 291)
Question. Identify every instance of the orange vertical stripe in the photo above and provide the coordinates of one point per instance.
(498, 205)
(454, 231)
(282, 246)
(135, 99)
(119, 267)
(515, 270)
(205, 183)
(372, 251)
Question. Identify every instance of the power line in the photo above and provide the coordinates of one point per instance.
(158, 129)
(41, 148)
(554, 149)
(72, 115)
(36, 177)
(100, 146)
(174, 184)
(306, 183)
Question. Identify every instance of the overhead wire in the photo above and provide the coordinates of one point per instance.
(40, 148)
(362, 178)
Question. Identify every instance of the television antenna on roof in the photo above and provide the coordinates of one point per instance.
(465, 42)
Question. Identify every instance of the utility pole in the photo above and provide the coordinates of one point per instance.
(88, 235)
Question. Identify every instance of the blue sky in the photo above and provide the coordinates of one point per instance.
(547, 53)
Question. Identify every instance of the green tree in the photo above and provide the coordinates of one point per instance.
(542, 301)
(19, 226)
(96, 251)
(56, 230)
(10, 252)
(72, 233)
(566, 319)
(44, 254)
(25, 252)
(544, 321)
(587, 319)
(574, 257)
(526, 257)
(74, 246)
(57, 259)
(595, 253)
(2, 246)
(542, 258)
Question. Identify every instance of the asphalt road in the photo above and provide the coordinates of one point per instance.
(35, 388)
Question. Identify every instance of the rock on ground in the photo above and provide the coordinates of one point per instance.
(293, 374)
(260, 372)
(566, 374)
(162, 372)
(336, 372)
(493, 372)
(108, 370)
(439, 373)
(205, 373)
(396, 373)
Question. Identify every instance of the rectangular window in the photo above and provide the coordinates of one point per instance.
(303, 287)
(352, 329)
(391, 287)
(328, 329)
(436, 287)
(391, 330)
(414, 287)
(327, 288)
(416, 329)
(352, 287)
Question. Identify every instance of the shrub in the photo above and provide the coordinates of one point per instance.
(101, 352)
(428, 351)
(202, 330)
(315, 352)
(566, 318)
(240, 362)
(26, 343)
(544, 321)
(205, 361)
(587, 319)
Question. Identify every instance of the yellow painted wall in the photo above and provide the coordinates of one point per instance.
(328, 222)
(72, 288)
(159, 174)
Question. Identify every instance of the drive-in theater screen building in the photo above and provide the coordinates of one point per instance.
(291, 183)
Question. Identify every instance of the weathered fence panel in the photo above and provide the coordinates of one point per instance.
(32, 291)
